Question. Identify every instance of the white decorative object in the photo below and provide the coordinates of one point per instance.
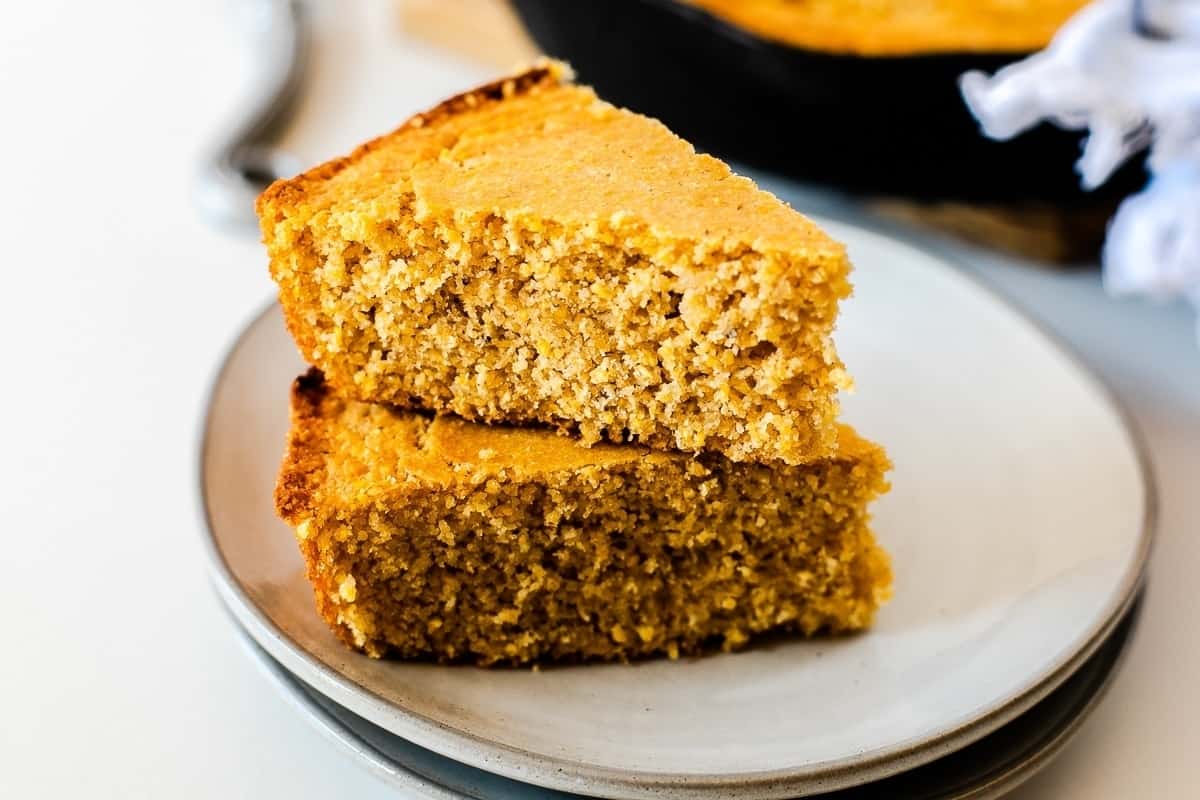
(1129, 73)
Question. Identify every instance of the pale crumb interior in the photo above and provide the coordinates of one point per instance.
(495, 320)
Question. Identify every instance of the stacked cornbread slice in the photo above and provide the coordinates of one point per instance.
(574, 391)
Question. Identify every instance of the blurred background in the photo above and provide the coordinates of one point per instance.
(130, 269)
(858, 97)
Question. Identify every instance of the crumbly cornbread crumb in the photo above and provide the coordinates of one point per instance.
(528, 253)
(548, 550)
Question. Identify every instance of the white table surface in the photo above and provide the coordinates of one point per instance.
(119, 674)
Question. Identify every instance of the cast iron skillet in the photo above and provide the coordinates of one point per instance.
(882, 126)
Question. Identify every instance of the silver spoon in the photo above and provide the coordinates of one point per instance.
(247, 160)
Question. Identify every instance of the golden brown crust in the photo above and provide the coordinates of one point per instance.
(300, 474)
(292, 191)
(297, 490)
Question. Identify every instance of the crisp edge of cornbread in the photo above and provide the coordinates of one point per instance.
(298, 486)
(300, 475)
(288, 192)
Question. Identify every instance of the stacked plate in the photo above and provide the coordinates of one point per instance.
(1019, 524)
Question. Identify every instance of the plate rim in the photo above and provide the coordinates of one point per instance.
(356, 749)
(987, 786)
(548, 770)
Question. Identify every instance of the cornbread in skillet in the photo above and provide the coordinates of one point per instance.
(900, 27)
(433, 537)
(528, 253)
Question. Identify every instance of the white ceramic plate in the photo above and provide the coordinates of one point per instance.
(988, 768)
(1018, 524)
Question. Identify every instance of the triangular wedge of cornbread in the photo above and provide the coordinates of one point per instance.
(429, 536)
(528, 253)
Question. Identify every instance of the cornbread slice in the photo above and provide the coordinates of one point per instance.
(527, 253)
(438, 538)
